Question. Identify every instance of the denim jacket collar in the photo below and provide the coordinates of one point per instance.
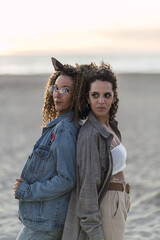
(67, 115)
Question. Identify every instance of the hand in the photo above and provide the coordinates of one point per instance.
(17, 184)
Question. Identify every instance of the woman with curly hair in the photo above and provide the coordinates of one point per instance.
(100, 202)
(49, 175)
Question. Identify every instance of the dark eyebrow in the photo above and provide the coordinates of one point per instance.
(103, 93)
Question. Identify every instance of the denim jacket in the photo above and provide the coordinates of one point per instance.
(49, 175)
(94, 170)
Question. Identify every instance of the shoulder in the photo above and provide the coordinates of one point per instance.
(67, 125)
(87, 132)
(88, 127)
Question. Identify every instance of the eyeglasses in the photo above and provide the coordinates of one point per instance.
(62, 91)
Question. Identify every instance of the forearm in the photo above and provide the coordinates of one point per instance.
(61, 183)
(46, 190)
(88, 208)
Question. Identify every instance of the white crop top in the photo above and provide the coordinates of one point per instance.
(119, 155)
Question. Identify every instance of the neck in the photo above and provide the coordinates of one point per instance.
(103, 120)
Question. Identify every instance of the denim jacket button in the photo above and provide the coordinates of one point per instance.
(40, 154)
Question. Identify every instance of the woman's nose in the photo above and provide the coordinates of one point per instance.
(101, 100)
(57, 94)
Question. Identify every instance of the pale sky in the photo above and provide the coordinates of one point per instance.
(79, 27)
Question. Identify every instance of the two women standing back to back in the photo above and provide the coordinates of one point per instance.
(99, 203)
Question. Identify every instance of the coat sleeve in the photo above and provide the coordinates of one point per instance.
(89, 174)
(65, 179)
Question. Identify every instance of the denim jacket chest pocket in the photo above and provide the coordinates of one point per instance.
(37, 163)
(39, 158)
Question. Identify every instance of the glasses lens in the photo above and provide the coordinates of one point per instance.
(64, 90)
(61, 91)
(54, 88)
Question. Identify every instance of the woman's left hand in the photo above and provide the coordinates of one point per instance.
(17, 184)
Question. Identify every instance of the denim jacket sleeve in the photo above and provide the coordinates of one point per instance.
(64, 181)
(89, 174)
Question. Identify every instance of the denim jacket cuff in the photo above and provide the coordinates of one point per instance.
(21, 190)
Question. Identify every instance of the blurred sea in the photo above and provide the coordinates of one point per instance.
(42, 64)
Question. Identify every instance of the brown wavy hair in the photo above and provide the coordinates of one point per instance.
(104, 73)
(78, 104)
(83, 72)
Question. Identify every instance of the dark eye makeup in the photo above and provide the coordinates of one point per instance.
(96, 95)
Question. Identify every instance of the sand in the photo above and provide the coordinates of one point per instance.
(21, 102)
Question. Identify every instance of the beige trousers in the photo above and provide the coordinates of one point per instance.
(114, 208)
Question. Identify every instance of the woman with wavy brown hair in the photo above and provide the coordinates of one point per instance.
(49, 175)
(100, 202)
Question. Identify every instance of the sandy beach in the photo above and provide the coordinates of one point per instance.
(21, 102)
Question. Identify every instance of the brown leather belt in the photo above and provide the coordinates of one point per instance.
(119, 187)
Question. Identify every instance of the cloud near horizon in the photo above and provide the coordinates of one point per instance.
(91, 41)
